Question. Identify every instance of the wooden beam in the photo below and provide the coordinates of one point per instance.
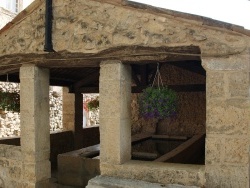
(11, 77)
(135, 78)
(138, 89)
(90, 78)
(153, 74)
(78, 120)
(169, 137)
(192, 66)
(87, 90)
(182, 149)
(176, 88)
(144, 74)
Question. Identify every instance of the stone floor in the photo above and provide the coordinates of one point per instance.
(111, 182)
(53, 182)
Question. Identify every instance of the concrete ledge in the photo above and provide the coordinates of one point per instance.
(106, 181)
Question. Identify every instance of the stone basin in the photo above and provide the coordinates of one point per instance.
(77, 167)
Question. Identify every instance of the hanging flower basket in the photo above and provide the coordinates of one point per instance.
(93, 104)
(10, 101)
(158, 103)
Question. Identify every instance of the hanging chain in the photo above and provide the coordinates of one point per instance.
(158, 77)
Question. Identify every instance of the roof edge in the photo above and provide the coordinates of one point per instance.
(204, 20)
(22, 15)
(187, 16)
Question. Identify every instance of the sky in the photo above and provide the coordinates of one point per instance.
(26, 3)
(231, 11)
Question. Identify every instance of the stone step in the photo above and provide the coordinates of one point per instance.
(112, 182)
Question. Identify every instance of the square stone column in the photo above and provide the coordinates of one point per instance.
(68, 110)
(73, 115)
(228, 121)
(35, 126)
(115, 112)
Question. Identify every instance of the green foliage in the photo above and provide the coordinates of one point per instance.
(93, 104)
(10, 101)
(158, 103)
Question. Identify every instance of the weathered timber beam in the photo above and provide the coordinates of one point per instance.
(138, 89)
(182, 149)
(135, 78)
(193, 66)
(90, 78)
(144, 74)
(11, 78)
(177, 88)
(86, 90)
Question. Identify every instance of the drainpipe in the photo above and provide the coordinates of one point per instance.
(48, 47)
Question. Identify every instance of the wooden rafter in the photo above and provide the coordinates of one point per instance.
(87, 80)
(138, 89)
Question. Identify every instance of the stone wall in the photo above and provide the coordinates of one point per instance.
(10, 121)
(191, 115)
(228, 121)
(56, 108)
(11, 166)
(91, 26)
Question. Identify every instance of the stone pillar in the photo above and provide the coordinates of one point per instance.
(73, 115)
(228, 121)
(68, 110)
(35, 127)
(115, 112)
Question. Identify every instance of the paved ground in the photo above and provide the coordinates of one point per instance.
(111, 182)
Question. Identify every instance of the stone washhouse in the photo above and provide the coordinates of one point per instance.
(93, 46)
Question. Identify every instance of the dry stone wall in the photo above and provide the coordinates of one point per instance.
(10, 121)
(11, 166)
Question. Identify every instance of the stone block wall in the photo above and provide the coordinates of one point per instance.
(11, 166)
(228, 117)
(191, 115)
